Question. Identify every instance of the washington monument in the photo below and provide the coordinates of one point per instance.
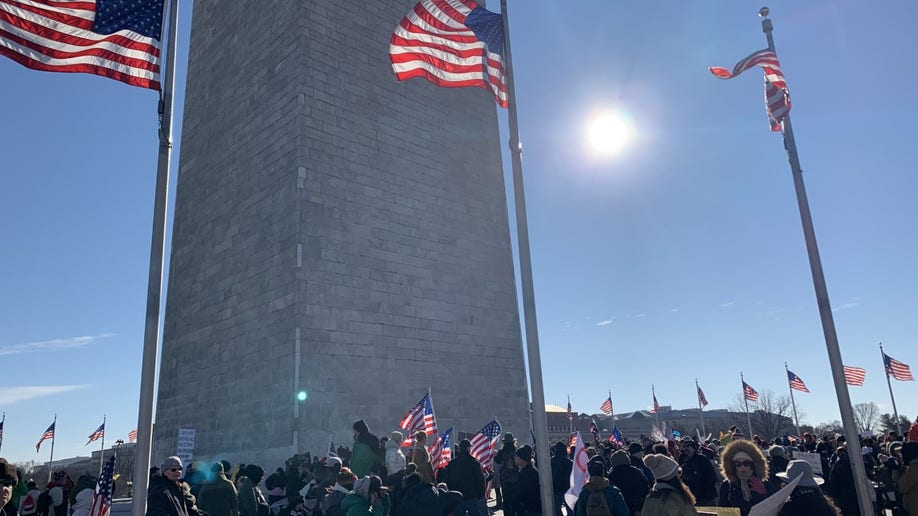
(337, 234)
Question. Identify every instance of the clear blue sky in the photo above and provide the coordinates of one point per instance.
(680, 258)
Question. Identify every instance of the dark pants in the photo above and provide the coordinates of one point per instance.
(559, 502)
(473, 508)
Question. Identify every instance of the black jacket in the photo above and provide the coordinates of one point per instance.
(808, 501)
(166, 498)
(530, 499)
(633, 485)
(561, 466)
(699, 475)
(464, 474)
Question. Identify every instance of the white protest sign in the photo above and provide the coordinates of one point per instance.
(184, 446)
(812, 458)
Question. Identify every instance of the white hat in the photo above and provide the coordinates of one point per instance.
(801, 468)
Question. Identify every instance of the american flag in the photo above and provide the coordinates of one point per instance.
(777, 99)
(570, 414)
(795, 382)
(98, 434)
(656, 406)
(595, 430)
(749, 393)
(897, 369)
(483, 444)
(855, 376)
(572, 441)
(119, 39)
(701, 399)
(441, 452)
(49, 434)
(616, 436)
(606, 406)
(132, 435)
(331, 452)
(420, 417)
(102, 501)
(453, 44)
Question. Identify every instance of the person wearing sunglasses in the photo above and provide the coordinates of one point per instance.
(745, 469)
(168, 495)
(8, 480)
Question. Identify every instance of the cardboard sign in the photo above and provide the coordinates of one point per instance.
(812, 458)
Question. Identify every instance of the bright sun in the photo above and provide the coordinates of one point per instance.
(608, 133)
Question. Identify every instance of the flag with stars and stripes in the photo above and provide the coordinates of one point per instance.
(483, 443)
(701, 399)
(606, 406)
(453, 44)
(102, 501)
(118, 39)
(855, 376)
(897, 369)
(795, 382)
(98, 434)
(49, 434)
(749, 393)
(656, 405)
(420, 417)
(441, 452)
(777, 98)
(132, 435)
(594, 430)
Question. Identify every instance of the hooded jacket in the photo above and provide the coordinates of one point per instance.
(633, 485)
(664, 500)
(613, 497)
(395, 459)
(83, 502)
(356, 505)
(218, 497)
(731, 491)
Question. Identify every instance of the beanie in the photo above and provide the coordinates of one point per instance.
(635, 448)
(619, 458)
(913, 432)
(525, 453)
(362, 427)
(662, 466)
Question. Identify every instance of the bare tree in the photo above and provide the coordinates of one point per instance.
(770, 415)
(866, 416)
(830, 427)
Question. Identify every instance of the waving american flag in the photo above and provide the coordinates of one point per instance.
(420, 417)
(102, 501)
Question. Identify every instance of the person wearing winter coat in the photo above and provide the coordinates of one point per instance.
(395, 459)
(841, 483)
(698, 473)
(598, 484)
(669, 495)
(250, 495)
(29, 502)
(366, 455)
(8, 480)
(421, 458)
(561, 466)
(418, 498)
(908, 483)
(464, 474)
(218, 496)
(369, 498)
(629, 480)
(344, 484)
(168, 495)
(529, 496)
(777, 463)
(83, 502)
(745, 470)
(807, 498)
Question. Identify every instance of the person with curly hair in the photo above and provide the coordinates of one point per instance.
(745, 470)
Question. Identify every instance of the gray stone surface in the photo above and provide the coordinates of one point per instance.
(324, 206)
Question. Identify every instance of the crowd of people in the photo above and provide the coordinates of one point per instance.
(381, 477)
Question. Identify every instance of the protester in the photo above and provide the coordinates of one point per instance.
(8, 479)
(419, 497)
(168, 495)
(669, 495)
(395, 459)
(598, 496)
(464, 474)
(369, 498)
(83, 502)
(908, 484)
(251, 500)
(421, 458)
(698, 473)
(744, 468)
(275, 483)
(777, 463)
(807, 498)
(218, 496)
(841, 483)
(528, 494)
(561, 466)
(344, 484)
(629, 480)
(366, 455)
(636, 452)
(506, 472)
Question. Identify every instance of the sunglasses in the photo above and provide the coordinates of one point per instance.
(175, 469)
(741, 463)
(8, 482)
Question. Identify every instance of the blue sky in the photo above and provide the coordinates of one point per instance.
(682, 257)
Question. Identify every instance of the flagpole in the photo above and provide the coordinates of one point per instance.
(822, 300)
(570, 415)
(2, 424)
(889, 384)
(793, 403)
(142, 449)
(528, 291)
(53, 437)
(746, 401)
(611, 409)
(102, 449)
(700, 407)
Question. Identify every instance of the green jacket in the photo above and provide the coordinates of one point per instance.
(356, 505)
(363, 460)
(663, 501)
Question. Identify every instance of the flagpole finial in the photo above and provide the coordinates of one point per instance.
(763, 12)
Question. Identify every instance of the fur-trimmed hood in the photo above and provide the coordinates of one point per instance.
(749, 447)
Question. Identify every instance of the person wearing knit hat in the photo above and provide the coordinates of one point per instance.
(636, 453)
(395, 459)
(598, 492)
(561, 466)
(528, 494)
(669, 496)
(745, 469)
(698, 473)
(218, 496)
(366, 455)
(369, 498)
(629, 480)
(912, 432)
(168, 495)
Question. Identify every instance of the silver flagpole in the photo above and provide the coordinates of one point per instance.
(2, 422)
(746, 401)
(793, 403)
(144, 444)
(700, 408)
(102, 448)
(889, 384)
(53, 438)
(529, 307)
(825, 308)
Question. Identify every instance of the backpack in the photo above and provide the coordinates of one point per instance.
(597, 505)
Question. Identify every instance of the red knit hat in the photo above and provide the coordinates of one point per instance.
(913, 432)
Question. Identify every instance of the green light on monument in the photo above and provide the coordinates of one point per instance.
(301, 396)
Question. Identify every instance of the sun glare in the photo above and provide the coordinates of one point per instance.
(608, 134)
